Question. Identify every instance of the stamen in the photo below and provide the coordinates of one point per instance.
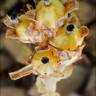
(47, 2)
(45, 60)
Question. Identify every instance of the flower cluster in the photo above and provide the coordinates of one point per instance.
(55, 30)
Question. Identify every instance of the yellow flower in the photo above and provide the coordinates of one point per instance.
(47, 15)
(45, 61)
(69, 37)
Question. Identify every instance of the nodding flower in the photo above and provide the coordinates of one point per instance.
(58, 39)
(69, 37)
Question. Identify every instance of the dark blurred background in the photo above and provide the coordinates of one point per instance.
(82, 82)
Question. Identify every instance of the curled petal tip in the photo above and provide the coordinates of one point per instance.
(84, 31)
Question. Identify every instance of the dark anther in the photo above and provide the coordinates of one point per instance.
(47, 2)
(69, 14)
(70, 28)
(45, 60)
(14, 15)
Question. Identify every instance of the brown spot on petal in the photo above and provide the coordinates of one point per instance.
(73, 19)
(30, 14)
(11, 34)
